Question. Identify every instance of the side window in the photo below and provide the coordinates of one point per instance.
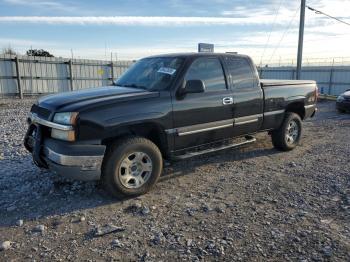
(210, 71)
(241, 73)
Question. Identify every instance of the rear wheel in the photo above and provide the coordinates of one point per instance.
(287, 137)
(132, 167)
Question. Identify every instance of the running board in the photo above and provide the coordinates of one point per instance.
(249, 140)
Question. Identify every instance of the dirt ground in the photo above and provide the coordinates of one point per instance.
(248, 204)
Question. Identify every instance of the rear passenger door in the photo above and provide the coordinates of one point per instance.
(206, 117)
(247, 95)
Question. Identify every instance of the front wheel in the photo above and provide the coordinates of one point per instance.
(287, 137)
(132, 167)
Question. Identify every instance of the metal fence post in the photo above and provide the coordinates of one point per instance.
(70, 65)
(18, 76)
(293, 73)
(112, 71)
(331, 79)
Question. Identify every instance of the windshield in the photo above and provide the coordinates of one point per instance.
(151, 73)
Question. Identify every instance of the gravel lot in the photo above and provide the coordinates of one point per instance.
(253, 203)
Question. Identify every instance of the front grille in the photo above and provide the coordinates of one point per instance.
(347, 98)
(41, 112)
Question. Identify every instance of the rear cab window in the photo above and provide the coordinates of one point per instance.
(210, 71)
(241, 73)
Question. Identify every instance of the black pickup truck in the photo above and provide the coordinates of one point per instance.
(164, 108)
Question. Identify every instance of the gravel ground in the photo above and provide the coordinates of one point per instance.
(253, 203)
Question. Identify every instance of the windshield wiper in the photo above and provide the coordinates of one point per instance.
(133, 86)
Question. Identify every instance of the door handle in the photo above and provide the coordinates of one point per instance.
(227, 101)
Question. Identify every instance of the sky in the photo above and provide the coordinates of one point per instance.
(267, 30)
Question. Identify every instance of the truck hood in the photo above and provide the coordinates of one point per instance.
(71, 101)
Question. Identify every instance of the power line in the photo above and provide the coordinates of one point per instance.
(284, 34)
(272, 27)
(332, 17)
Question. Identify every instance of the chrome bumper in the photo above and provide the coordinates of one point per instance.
(74, 161)
(310, 110)
(85, 162)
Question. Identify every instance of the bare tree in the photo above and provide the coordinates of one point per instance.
(8, 51)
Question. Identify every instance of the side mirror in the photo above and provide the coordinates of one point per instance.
(194, 86)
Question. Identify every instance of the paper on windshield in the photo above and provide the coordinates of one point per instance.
(167, 70)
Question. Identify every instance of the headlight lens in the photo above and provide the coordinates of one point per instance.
(63, 135)
(66, 118)
(340, 99)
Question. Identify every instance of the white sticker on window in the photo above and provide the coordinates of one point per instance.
(167, 70)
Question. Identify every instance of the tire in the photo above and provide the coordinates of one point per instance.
(131, 167)
(288, 135)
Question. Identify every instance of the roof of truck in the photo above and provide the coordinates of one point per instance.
(193, 54)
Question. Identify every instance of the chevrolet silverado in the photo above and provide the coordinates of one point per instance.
(164, 108)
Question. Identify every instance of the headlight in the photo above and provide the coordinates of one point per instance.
(340, 99)
(63, 135)
(67, 118)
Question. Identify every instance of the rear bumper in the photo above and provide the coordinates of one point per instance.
(74, 161)
(310, 111)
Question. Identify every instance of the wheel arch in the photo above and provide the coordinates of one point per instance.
(150, 130)
(297, 108)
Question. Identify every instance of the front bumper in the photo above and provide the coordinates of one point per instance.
(75, 161)
(72, 160)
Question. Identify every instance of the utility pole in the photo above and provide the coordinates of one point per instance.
(301, 38)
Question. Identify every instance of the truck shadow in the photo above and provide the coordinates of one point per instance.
(74, 198)
(230, 155)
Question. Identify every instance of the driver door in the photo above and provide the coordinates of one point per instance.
(201, 118)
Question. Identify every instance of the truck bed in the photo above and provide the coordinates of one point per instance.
(278, 94)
